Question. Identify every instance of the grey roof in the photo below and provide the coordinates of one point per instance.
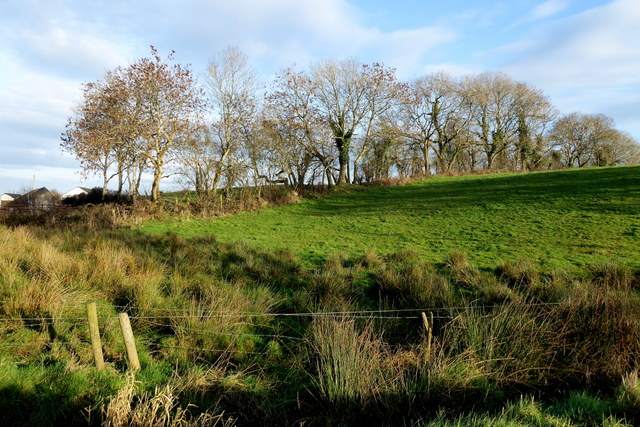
(41, 196)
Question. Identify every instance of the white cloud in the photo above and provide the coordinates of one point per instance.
(61, 37)
(34, 105)
(595, 53)
(547, 9)
(452, 69)
(542, 11)
(596, 48)
(71, 52)
(406, 49)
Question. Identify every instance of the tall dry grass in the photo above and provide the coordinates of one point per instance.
(602, 337)
(37, 279)
(131, 407)
(221, 321)
(196, 302)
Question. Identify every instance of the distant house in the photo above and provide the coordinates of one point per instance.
(36, 199)
(75, 192)
(6, 198)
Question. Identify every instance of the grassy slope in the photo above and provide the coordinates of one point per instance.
(562, 219)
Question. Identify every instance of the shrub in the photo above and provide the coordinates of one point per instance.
(95, 197)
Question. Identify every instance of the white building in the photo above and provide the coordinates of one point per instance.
(75, 192)
(7, 198)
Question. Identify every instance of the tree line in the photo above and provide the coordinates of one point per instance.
(336, 122)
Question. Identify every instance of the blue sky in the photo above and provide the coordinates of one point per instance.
(584, 54)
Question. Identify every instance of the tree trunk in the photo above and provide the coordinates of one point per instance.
(425, 158)
(155, 186)
(105, 182)
(343, 143)
(120, 179)
(138, 180)
(342, 176)
(356, 161)
(490, 159)
(474, 160)
(327, 172)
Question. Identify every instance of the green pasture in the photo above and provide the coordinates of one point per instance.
(558, 219)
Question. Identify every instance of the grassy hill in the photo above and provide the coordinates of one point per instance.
(565, 219)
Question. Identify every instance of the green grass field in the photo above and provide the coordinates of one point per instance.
(537, 324)
(560, 219)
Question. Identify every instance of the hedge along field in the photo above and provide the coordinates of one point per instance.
(559, 219)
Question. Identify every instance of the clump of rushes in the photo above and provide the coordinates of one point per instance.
(462, 272)
(612, 275)
(520, 274)
(330, 285)
(513, 345)
(602, 336)
(412, 285)
(629, 391)
(355, 368)
(221, 320)
(131, 282)
(35, 276)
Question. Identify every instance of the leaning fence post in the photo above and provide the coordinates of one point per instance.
(94, 332)
(428, 325)
(129, 342)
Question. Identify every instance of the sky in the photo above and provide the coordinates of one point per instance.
(584, 54)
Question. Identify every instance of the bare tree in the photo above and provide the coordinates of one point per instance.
(297, 126)
(232, 89)
(434, 119)
(103, 131)
(491, 100)
(620, 149)
(87, 134)
(508, 119)
(341, 97)
(535, 113)
(197, 161)
(386, 149)
(582, 139)
(383, 93)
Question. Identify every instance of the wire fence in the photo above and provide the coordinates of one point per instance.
(185, 323)
(190, 313)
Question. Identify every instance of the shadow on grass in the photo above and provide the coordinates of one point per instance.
(598, 189)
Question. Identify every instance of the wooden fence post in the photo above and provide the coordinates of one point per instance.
(428, 325)
(94, 331)
(129, 342)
